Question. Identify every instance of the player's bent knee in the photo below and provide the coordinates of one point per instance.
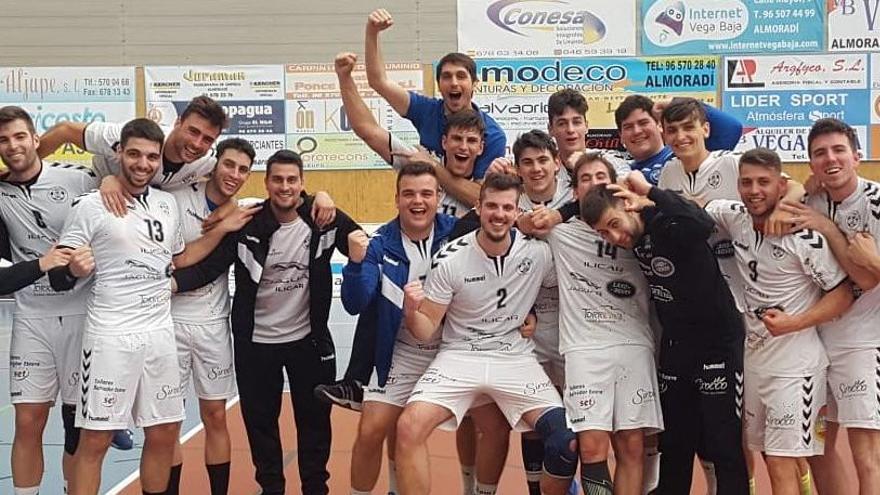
(71, 432)
(214, 416)
(560, 450)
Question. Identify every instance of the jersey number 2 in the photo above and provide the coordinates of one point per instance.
(502, 295)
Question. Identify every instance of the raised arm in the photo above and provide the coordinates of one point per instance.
(59, 134)
(362, 121)
(398, 97)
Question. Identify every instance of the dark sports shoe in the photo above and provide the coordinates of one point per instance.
(348, 394)
(122, 440)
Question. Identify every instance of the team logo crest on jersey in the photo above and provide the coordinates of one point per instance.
(621, 288)
(854, 221)
(525, 266)
(662, 267)
(714, 180)
(777, 253)
(164, 208)
(58, 194)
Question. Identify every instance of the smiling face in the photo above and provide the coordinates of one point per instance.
(687, 138)
(835, 163)
(232, 170)
(498, 211)
(641, 134)
(619, 227)
(537, 168)
(760, 188)
(590, 175)
(461, 147)
(417, 199)
(139, 160)
(456, 87)
(191, 138)
(18, 147)
(284, 183)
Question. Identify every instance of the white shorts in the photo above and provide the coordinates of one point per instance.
(783, 415)
(612, 389)
(455, 380)
(204, 353)
(44, 359)
(854, 389)
(129, 376)
(407, 367)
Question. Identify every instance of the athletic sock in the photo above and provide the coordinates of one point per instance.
(218, 478)
(392, 477)
(174, 480)
(485, 489)
(652, 469)
(31, 490)
(468, 481)
(533, 462)
(358, 492)
(711, 479)
(806, 484)
(753, 489)
(596, 479)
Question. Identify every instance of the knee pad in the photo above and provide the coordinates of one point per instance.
(560, 459)
(71, 432)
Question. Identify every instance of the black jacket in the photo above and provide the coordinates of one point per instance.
(248, 249)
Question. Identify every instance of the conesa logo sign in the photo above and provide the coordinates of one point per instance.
(522, 17)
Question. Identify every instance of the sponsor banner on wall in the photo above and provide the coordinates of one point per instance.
(732, 26)
(252, 95)
(779, 97)
(853, 25)
(77, 94)
(875, 107)
(538, 28)
(515, 92)
(317, 126)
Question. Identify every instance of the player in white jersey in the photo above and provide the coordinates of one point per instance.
(128, 362)
(201, 317)
(792, 283)
(846, 210)
(47, 325)
(483, 284)
(611, 392)
(703, 176)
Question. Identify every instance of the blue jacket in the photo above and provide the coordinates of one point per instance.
(375, 285)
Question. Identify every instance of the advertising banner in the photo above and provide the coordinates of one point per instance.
(538, 28)
(77, 94)
(732, 26)
(515, 92)
(317, 126)
(252, 95)
(853, 25)
(778, 98)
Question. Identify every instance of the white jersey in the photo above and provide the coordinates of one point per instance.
(418, 253)
(34, 215)
(604, 299)
(131, 290)
(450, 205)
(211, 302)
(546, 335)
(102, 140)
(789, 273)
(859, 327)
(716, 178)
(281, 309)
(488, 297)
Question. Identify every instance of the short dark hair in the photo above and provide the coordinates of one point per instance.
(501, 182)
(566, 98)
(593, 156)
(761, 157)
(630, 104)
(534, 139)
(414, 169)
(684, 109)
(285, 157)
(455, 58)
(11, 113)
(596, 202)
(141, 128)
(208, 109)
(465, 119)
(238, 144)
(831, 126)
